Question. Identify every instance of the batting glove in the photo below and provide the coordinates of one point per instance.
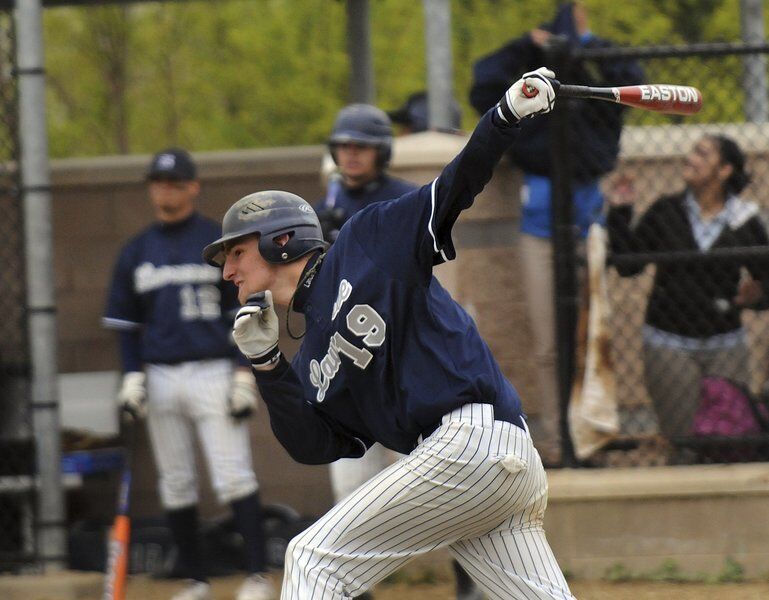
(241, 400)
(516, 105)
(132, 396)
(256, 330)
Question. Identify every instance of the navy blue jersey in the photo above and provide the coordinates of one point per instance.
(387, 351)
(162, 288)
(342, 202)
(384, 187)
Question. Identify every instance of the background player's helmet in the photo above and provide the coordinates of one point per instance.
(366, 125)
(270, 214)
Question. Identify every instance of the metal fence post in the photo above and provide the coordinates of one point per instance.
(439, 63)
(36, 195)
(359, 51)
(754, 78)
(564, 260)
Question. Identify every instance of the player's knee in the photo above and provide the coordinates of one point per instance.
(235, 488)
(178, 491)
(293, 551)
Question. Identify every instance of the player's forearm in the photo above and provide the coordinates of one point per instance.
(301, 430)
(130, 351)
(467, 175)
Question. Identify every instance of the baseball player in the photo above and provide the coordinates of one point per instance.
(360, 147)
(388, 357)
(174, 315)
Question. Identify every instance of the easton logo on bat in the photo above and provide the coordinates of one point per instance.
(665, 93)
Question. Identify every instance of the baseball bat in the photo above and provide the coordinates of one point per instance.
(120, 534)
(656, 97)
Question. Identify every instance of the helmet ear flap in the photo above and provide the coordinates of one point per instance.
(332, 152)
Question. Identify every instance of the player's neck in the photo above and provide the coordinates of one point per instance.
(356, 183)
(286, 284)
(175, 217)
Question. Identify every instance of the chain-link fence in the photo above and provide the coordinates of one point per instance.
(17, 464)
(688, 262)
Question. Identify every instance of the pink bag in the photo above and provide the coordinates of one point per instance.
(728, 409)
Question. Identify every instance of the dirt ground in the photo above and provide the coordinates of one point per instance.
(224, 589)
(72, 586)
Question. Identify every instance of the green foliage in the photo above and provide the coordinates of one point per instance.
(670, 571)
(733, 572)
(618, 573)
(215, 74)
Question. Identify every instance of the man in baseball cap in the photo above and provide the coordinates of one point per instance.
(172, 164)
(182, 373)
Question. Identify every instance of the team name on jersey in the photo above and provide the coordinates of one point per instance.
(364, 322)
(345, 289)
(148, 277)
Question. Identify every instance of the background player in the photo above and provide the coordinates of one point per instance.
(360, 146)
(174, 317)
(388, 357)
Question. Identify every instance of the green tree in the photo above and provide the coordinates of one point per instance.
(222, 74)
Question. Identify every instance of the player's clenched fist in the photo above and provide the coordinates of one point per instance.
(132, 396)
(540, 97)
(256, 330)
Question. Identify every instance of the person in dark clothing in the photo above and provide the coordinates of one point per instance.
(693, 326)
(388, 358)
(360, 146)
(413, 115)
(594, 136)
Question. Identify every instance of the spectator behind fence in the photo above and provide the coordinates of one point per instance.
(360, 147)
(692, 326)
(183, 372)
(595, 132)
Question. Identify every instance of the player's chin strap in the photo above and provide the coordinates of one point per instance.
(304, 283)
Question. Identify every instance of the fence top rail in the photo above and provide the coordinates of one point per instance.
(701, 49)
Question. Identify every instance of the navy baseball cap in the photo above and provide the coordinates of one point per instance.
(172, 163)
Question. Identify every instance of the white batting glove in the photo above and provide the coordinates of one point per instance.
(515, 105)
(132, 396)
(241, 400)
(256, 330)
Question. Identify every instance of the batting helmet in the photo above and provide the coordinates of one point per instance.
(270, 214)
(366, 125)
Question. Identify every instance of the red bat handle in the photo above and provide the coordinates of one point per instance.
(530, 91)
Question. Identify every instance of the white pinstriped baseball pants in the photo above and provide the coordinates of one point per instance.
(475, 485)
(193, 396)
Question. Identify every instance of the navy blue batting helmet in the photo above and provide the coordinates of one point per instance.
(269, 214)
(366, 125)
